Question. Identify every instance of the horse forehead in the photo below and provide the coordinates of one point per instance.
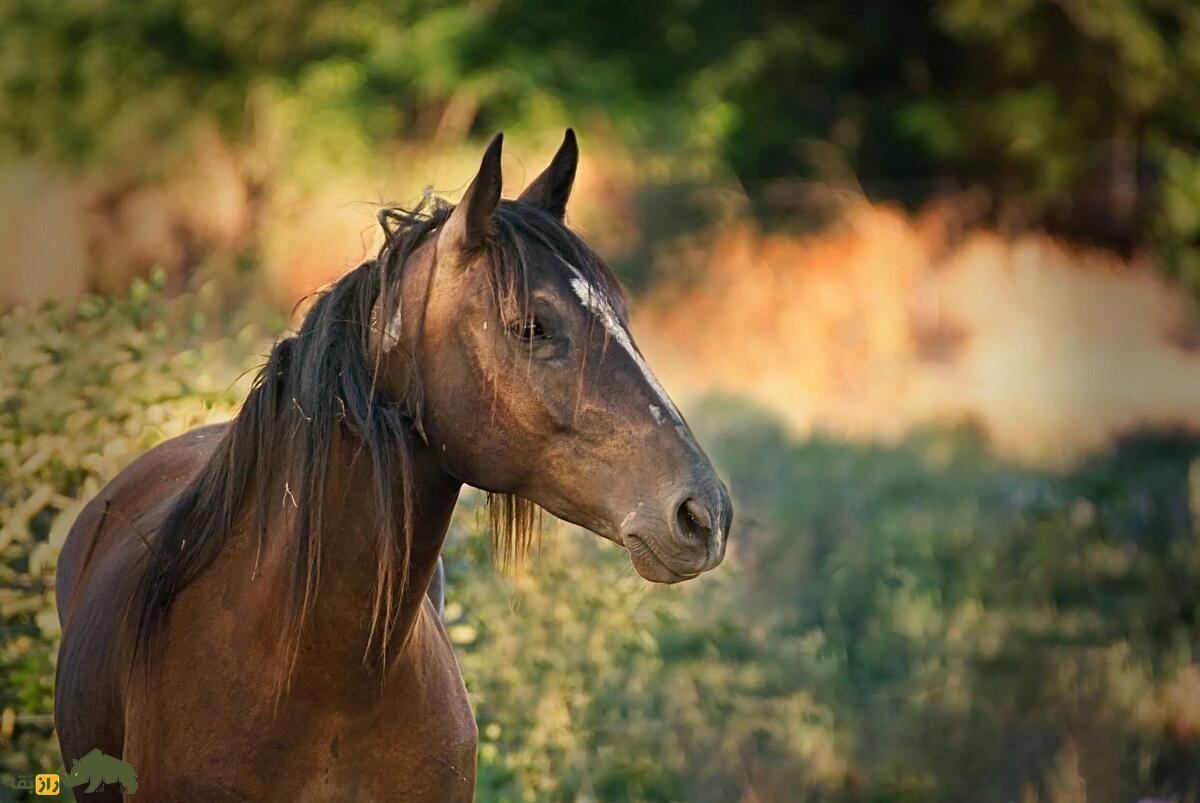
(591, 293)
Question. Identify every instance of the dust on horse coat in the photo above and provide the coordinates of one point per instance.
(244, 607)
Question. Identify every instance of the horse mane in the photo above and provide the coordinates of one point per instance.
(318, 383)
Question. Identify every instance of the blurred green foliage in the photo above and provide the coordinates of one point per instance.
(910, 622)
(917, 622)
(1073, 113)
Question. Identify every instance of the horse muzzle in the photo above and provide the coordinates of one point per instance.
(681, 539)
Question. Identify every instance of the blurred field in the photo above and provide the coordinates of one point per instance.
(875, 322)
(889, 321)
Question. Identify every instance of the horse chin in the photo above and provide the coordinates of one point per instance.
(649, 565)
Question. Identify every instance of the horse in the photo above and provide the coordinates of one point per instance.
(246, 609)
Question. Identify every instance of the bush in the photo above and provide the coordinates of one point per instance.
(904, 622)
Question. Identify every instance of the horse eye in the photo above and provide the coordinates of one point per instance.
(529, 330)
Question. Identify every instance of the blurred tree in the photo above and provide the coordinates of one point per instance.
(1077, 114)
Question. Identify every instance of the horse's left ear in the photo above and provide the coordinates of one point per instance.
(552, 188)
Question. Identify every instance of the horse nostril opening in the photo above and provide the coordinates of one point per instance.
(694, 520)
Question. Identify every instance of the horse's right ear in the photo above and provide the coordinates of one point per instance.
(470, 224)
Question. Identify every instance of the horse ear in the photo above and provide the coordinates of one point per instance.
(552, 188)
(470, 223)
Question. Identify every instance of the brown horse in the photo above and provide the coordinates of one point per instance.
(245, 610)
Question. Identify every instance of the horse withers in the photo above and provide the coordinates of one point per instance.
(244, 608)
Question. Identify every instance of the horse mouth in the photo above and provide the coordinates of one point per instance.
(649, 565)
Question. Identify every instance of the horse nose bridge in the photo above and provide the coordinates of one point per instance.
(636, 385)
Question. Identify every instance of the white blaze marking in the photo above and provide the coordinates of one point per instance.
(593, 300)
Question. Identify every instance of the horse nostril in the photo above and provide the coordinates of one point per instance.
(694, 520)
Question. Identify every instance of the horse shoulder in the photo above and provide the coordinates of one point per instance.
(116, 515)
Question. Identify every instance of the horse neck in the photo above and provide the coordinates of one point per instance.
(349, 551)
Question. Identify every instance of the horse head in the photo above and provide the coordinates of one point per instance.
(517, 334)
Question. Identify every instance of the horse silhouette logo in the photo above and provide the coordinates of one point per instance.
(96, 769)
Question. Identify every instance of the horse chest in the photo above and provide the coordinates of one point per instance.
(331, 738)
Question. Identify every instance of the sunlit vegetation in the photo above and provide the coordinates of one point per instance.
(919, 621)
